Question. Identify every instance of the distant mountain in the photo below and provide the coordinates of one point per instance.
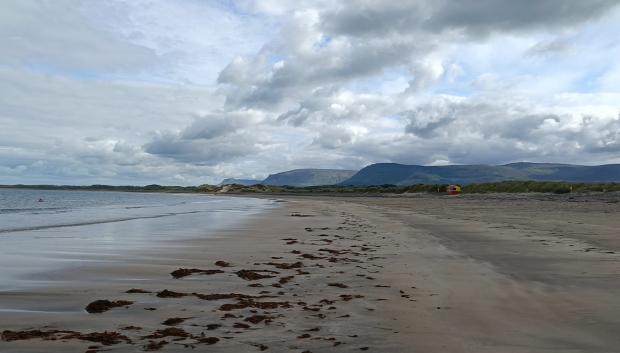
(244, 182)
(309, 177)
(401, 174)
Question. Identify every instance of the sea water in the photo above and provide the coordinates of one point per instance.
(43, 230)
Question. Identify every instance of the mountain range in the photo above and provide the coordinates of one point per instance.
(402, 174)
(299, 178)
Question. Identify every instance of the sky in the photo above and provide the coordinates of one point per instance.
(187, 92)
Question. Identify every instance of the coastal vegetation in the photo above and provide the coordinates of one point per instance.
(495, 187)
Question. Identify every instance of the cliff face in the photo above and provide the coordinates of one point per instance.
(309, 177)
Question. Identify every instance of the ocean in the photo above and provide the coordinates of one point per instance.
(41, 230)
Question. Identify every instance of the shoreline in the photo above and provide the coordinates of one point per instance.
(36, 247)
(376, 274)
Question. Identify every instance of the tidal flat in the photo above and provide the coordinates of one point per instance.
(476, 273)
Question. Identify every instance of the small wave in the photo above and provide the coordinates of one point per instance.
(93, 222)
(28, 311)
(31, 209)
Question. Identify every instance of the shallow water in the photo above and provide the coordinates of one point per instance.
(78, 228)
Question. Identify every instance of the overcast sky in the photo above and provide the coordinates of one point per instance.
(191, 91)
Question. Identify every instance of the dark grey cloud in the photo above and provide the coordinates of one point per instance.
(481, 17)
(209, 140)
(524, 127)
(198, 151)
(474, 17)
(295, 117)
(374, 17)
(426, 120)
(211, 126)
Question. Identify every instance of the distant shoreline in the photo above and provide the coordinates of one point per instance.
(527, 186)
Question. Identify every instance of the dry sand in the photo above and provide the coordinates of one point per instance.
(407, 274)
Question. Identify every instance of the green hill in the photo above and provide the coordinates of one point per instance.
(401, 174)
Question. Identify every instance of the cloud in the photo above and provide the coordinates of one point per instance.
(550, 47)
(426, 120)
(371, 18)
(146, 91)
(38, 33)
(209, 140)
(461, 128)
(337, 44)
(76, 131)
(304, 58)
(479, 18)
(333, 138)
(212, 126)
(196, 151)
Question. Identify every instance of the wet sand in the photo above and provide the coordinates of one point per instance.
(321, 274)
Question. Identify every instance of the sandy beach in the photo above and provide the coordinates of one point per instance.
(511, 273)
